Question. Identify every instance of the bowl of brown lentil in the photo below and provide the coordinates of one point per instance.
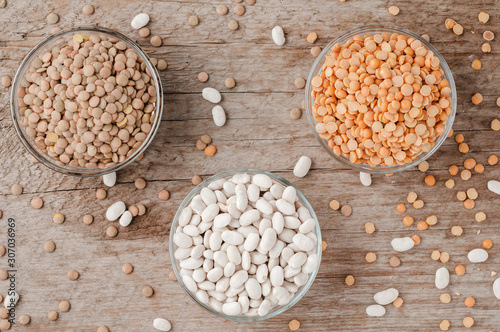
(86, 101)
(380, 99)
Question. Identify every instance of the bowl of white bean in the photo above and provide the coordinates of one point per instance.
(86, 101)
(245, 245)
(380, 99)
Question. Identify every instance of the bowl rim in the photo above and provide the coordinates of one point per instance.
(227, 174)
(49, 161)
(316, 68)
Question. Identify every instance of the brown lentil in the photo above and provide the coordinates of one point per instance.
(311, 37)
(294, 325)
(459, 270)
(88, 219)
(3, 274)
(127, 268)
(52, 315)
(4, 312)
(370, 227)
(100, 193)
(221, 10)
(24, 319)
(465, 174)
(111, 231)
(495, 124)
(144, 32)
(156, 41)
(349, 280)
(210, 150)
(435, 255)
(483, 17)
(49, 246)
(408, 221)
(230, 83)
(480, 216)
(469, 204)
(426, 37)
(52, 18)
(393, 10)
(371, 257)
(453, 170)
(140, 183)
(147, 291)
(232, 25)
(6, 81)
(461, 195)
(142, 209)
(299, 83)
(2, 252)
(472, 193)
(468, 322)
(134, 210)
(477, 98)
(88, 9)
(444, 257)
(315, 51)
(103, 329)
(401, 208)
(334, 205)
(171, 275)
(239, 10)
(346, 210)
(394, 261)
(450, 183)
(164, 195)
(200, 145)
(418, 204)
(430, 180)
(488, 35)
(487, 243)
(398, 302)
(196, 180)
(445, 325)
(4, 325)
(251, 2)
(16, 190)
(36, 203)
(193, 20)
(58, 218)
(486, 48)
(64, 306)
(423, 166)
(206, 139)
(476, 64)
(492, 160)
(457, 230)
(295, 113)
(162, 65)
(72, 275)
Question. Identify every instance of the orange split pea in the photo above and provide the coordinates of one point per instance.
(469, 301)
(469, 204)
(210, 150)
(470, 163)
(460, 270)
(416, 239)
(430, 180)
(294, 325)
(487, 243)
(408, 221)
(401, 208)
(492, 160)
(453, 170)
(422, 225)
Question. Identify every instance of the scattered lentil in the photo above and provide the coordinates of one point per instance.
(171, 275)
(72, 275)
(88, 9)
(24, 319)
(193, 20)
(311, 37)
(430, 180)
(465, 174)
(450, 183)
(206, 139)
(483, 17)
(459, 138)
(408, 221)
(52, 315)
(323, 245)
(156, 41)
(398, 302)
(294, 325)
(349, 280)
(196, 180)
(36, 203)
(147, 291)
(393, 10)
(492, 160)
(16, 190)
(334, 205)
(251, 2)
(162, 65)
(315, 51)
(468, 322)
(49, 246)
(423, 166)
(221, 10)
(100, 193)
(371, 257)
(394, 261)
(477, 98)
(230, 83)
(476, 64)
(232, 25)
(52, 18)
(134, 210)
(144, 32)
(141, 209)
(469, 301)
(58, 218)
(370, 227)
(431, 220)
(127, 268)
(64, 306)
(200, 145)
(4, 312)
(458, 29)
(111, 231)
(88, 219)
(486, 48)
(4, 325)
(461, 195)
(487, 243)
(164, 195)
(210, 150)
(460, 270)
(480, 216)
(416, 239)
(346, 210)
(412, 197)
(2, 252)
(103, 329)
(6, 81)
(488, 35)
(457, 230)
(3, 274)
(299, 83)
(140, 183)
(295, 113)
(449, 23)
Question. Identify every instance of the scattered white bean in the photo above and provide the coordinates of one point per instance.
(212, 95)
(278, 36)
(126, 219)
(442, 278)
(365, 178)
(496, 288)
(115, 211)
(375, 310)
(402, 244)
(219, 116)
(387, 296)
(302, 167)
(162, 324)
(140, 21)
(109, 179)
(477, 255)
(494, 186)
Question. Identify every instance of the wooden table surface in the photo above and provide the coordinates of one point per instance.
(259, 134)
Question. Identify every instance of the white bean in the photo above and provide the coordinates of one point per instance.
(183, 240)
(231, 309)
(232, 237)
(253, 289)
(264, 308)
(215, 241)
(268, 240)
(292, 222)
(109, 179)
(191, 263)
(264, 206)
(115, 211)
(387, 296)
(276, 276)
(214, 274)
(442, 278)
(302, 167)
(185, 216)
(297, 260)
(365, 178)
(494, 186)
(477, 255)
(402, 244)
(285, 207)
(375, 310)
(222, 220)
(210, 212)
(496, 288)
(262, 273)
(303, 242)
(253, 192)
(212, 95)
(307, 226)
(190, 284)
(229, 269)
(208, 196)
(238, 279)
(277, 190)
(139, 21)
(219, 116)
(161, 324)
(263, 181)
(278, 36)
(289, 194)
(233, 254)
(125, 219)
(311, 264)
(249, 217)
(282, 295)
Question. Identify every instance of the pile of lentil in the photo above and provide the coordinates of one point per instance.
(381, 100)
(89, 103)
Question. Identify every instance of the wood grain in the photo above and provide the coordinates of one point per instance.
(260, 134)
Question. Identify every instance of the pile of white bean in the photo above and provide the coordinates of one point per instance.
(246, 245)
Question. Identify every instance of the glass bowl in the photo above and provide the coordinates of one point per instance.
(61, 38)
(371, 30)
(175, 263)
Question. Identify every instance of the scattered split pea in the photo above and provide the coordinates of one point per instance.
(147, 291)
(294, 325)
(369, 227)
(72, 275)
(64, 306)
(52, 315)
(334, 205)
(393, 10)
(36, 203)
(371, 257)
(49, 246)
(349, 280)
(445, 325)
(6, 81)
(311, 37)
(435, 255)
(468, 321)
(127, 268)
(486, 48)
(193, 20)
(480, 216)
(459, 270)
(423, 166)
(58, 218)
(483, 17)
(295, 113)
(456, 230)
(164, 195)
(450, 183)
(476, 64)
(445, 298)
(100, 193)
(401, 208)
(24, 319)
(477, 98)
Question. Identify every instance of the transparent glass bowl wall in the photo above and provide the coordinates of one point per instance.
(175, 263)
(59, 39)
(372, 30)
